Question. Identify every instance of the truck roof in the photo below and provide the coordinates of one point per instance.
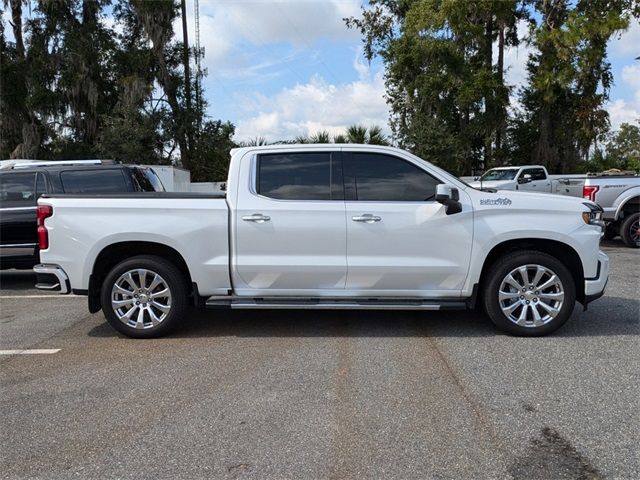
(517, 166)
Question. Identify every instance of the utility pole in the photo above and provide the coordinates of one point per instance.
(187, 74)
(198, 59)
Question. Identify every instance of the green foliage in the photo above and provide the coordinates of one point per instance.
(354, 134)
(320, 137)
(448, 99)
(77, 86)
(211, 156)
(569, 80)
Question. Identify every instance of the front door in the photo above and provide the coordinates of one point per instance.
(539, 181)
(290, 226)
(400, 241)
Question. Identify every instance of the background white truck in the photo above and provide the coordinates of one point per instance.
(618, 193)
(325, 227)
(619, 197)
(530, 178)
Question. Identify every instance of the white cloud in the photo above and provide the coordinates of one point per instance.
(623, 112)
(226, 27)
(631, 76)
(626, 111)
(515, 58)
(305, 109)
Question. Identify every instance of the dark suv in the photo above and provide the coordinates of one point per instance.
(22, 183)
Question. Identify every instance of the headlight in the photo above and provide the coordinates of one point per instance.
(594, 215)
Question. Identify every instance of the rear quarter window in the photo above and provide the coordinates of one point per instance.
(94, 181)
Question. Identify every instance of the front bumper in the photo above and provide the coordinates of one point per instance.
(52, 278)
(594, 287)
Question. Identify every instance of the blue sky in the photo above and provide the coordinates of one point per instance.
(278, 69)
(291, 67)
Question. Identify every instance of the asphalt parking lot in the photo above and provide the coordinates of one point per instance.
(300, 394)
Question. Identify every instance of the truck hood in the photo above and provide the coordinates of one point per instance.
(528, 200)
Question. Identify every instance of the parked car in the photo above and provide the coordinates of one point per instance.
(325, 227)
(22, 182)
(619, 197)
(529, 178)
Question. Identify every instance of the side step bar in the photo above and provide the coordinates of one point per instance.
(292, 303)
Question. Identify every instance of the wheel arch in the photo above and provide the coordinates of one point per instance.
(559, 250)
(115, 253)
(629, 204)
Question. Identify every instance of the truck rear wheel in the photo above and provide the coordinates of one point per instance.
(630, 230)
(144, 296)
(529, 293)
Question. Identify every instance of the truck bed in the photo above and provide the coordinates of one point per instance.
(194, 225)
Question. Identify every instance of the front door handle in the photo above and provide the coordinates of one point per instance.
(256, 217)
(366, 218)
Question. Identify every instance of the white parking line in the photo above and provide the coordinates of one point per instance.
(33, 351)
(41, 296)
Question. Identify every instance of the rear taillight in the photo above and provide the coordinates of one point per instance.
(589, 192)
(44, 211)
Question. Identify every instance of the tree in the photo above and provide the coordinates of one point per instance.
(623, 150)
(446, 94)
(76, 86)
(569, 80)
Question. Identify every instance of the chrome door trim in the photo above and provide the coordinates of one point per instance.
(17, 209)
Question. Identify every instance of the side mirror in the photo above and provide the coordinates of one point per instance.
(449, 197)
(526, 178)
(476, 178)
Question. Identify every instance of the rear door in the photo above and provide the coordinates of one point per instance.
(18, 234)
(290, 234)
(400, 242)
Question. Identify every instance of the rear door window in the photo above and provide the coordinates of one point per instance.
(17, 190)
(94, 181)
(299, 176)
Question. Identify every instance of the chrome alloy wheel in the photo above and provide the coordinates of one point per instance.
(531, 295)
(141, 298)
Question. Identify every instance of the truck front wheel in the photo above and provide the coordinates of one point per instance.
(144, 296)
(529, 293)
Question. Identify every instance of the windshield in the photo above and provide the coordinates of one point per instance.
(502, 174)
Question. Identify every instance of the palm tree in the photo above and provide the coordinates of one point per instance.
(376, 137)
(255, 142)
(340, 138)
(372, 135)
(321, 137)
(357, 134)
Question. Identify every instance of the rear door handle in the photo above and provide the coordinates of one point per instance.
(366, 218)
(256, 217)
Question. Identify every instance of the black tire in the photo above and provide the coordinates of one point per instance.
(177, 303)
(498, 273)
(629, 229)
(609, 232)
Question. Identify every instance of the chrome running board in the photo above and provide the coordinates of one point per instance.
(293, 303)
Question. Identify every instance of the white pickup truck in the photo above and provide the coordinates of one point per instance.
(325, 227)
(529, 178)
(619, 197)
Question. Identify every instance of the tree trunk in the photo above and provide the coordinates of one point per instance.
(489, 101)
(16, 20)
(501, 129)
